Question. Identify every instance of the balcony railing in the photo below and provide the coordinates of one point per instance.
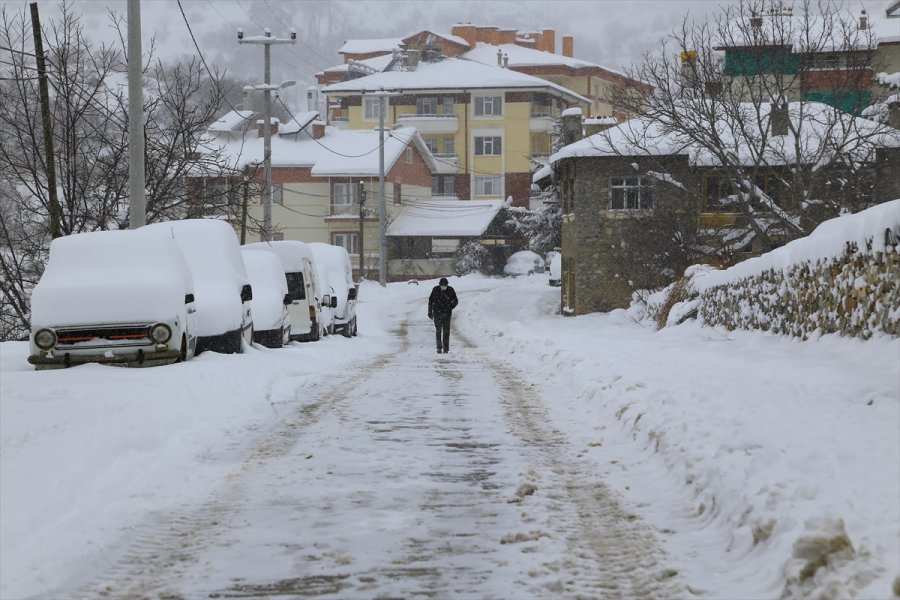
(431, 123)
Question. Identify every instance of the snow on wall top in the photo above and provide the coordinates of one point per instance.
(827, 241)
(445, 218)
(450, 73)
(373, 45)
(379, 63)
(650, 137)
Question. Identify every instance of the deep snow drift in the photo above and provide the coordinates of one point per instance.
(748, 453)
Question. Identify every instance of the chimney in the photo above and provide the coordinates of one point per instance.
(863, 20)
(505, 61)
(261, 127)
(412, 59)
(568, 48)
(488, 35)
(312, 98)
(571, 125)
(508, 36)
(248, 97)
(318, 130)
(467, 32)
(499, 57)
(755, 21)
(548, 41)
(779, 119)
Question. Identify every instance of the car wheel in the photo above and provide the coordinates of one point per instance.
(353, 323)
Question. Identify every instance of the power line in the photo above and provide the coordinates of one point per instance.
(291, 115)
(255, 22)
(314, 51)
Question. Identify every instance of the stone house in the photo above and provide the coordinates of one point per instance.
(628, 175)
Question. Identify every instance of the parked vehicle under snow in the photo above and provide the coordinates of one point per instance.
(271, 320)
(116, 297)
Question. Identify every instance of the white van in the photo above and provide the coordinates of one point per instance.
(117, 297)
(303, 287)
(335, 261)
(271, 317)
(222, 288)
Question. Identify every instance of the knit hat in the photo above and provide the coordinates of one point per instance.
(443, 281)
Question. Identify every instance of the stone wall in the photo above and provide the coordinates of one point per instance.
(856, 294)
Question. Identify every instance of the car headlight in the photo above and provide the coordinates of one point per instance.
(45, 339)
(160, 333)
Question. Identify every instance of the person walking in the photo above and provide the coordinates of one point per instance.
(440, 306)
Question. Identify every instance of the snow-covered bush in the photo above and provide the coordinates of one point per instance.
(473, 257)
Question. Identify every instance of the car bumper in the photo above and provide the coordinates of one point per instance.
(136, 358)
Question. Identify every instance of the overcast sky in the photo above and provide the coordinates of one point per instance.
(607, 32)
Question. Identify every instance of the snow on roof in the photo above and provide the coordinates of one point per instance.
(543, 172)
(450, 73)
(373, 45)
(526, 57)
(828, 240)
(888, 79)
(648, 137)
(438, 218)
(232, 120)
(571, 112)
(379, 63)
(298, 123)
(447, 36)
(338, 153)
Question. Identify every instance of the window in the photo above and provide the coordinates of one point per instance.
(345, 196)
(444, 246)
(296, 288)
(449, 146)
(488, 186)
(409, 156)
(426, 106)
(630, 193)
(488, 146)
(486, 106)
(431, 142)
(442, 185)
(349, 241)
(278, 193)
(717, 190)
(398, 192)
(370, 108)
(448, 105)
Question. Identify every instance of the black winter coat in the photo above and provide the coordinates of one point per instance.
(441, 302)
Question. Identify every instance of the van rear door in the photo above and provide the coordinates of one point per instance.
(299, 307)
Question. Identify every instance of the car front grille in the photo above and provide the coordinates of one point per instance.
(115, 335)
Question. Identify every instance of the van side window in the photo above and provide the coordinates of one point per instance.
(296, 287)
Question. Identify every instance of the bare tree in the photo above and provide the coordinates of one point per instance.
(765, 96)
(90, 138)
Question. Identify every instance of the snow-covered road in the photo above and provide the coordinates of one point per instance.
(687, 462)
(412, 479)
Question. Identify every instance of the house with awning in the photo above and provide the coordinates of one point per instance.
(426, 235)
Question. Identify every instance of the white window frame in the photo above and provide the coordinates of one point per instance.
(489, 145)
(631, 193)
(346, 194)
(426, 102)
(481, 184)
(488, 106)
(347, 240)
(370, 108)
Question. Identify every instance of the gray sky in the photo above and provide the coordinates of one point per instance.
(607, 32)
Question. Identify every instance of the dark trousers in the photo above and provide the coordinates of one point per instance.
(442, 330)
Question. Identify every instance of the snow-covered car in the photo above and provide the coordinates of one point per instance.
(271, 319)
(523, 262)
(222, 288)
(336, 262)
(556, 270)
(329, 302)
(117, 297)
(303, 286)
(549, 258)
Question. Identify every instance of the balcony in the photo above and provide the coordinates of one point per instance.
(425, 123)
(542, 122)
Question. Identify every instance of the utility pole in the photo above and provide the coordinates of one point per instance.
(47, 122)
(267, 40)
(245, 193)
(359, 245)
(382, 219)
(137, 213)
